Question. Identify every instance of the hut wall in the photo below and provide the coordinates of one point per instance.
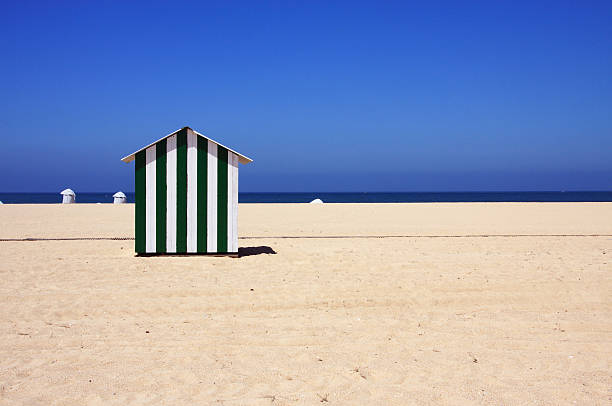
(67, 199)
(186, 197)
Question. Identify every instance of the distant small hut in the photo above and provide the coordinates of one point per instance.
(119, 198)
(186, 195)
(68, 196)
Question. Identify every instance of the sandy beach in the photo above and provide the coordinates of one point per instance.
(347, 304)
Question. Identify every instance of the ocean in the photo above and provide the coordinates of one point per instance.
(360, 197)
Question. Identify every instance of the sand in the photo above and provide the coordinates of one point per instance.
(462, 303)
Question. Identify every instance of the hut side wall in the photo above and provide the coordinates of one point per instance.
(186, 197)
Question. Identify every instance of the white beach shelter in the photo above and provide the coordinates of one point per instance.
(317, 201)
(68, 196)
(119, 198)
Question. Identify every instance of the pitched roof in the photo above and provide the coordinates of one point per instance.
(241, 158)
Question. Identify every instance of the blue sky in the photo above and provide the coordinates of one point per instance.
(324, 96)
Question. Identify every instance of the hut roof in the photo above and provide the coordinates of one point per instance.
(119, 194)
(241, 158)
(67, 192)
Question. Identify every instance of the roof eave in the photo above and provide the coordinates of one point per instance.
(132, 156)
(241, 158)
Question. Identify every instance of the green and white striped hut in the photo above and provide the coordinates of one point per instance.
(186, 195)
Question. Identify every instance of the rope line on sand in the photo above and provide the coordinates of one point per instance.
(67, 239)
(428, 236)
(316, 237)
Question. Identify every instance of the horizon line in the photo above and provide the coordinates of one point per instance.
(365, 192)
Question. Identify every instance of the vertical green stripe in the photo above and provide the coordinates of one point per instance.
(141, 203)
(160, 196)
(222, 200)
(181, 191)
(202, 192)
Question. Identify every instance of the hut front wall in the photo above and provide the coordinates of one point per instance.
(186, 197)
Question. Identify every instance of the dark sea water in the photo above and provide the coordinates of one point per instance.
(363, 197)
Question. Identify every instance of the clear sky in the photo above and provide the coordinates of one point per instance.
(324, 96)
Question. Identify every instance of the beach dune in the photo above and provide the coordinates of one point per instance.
(356, 304)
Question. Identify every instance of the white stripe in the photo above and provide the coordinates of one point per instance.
(230, 235)
(171, 194)
(234, 207)
(192, 191)
(211, 215)
(150, 197)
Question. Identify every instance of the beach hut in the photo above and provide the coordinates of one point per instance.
(119, 198)
(186, 195)
(68, 196)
